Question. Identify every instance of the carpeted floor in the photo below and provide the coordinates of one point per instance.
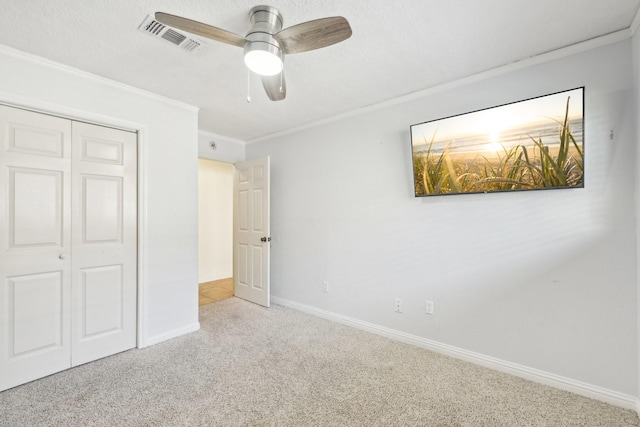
(250, 366)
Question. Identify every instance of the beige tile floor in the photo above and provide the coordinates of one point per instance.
(215, 291)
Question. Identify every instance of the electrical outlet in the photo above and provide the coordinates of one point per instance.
(325, 286)
(429, 307)
(398, 305)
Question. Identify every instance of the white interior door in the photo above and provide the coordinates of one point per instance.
(35, 240)
(67, 244)
(251, 231)
(104, 275)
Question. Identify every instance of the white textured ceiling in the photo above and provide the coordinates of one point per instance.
(397, 47)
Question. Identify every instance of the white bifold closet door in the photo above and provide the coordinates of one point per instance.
(67, 244)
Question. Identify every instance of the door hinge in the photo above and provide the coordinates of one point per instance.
(265, 239)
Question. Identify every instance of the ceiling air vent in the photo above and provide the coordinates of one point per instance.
(175, 37)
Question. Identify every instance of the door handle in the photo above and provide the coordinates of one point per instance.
(62, 256)
(265, 239)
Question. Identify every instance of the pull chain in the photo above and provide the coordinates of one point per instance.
(248, 86)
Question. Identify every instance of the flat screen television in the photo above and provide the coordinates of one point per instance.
(533, 144)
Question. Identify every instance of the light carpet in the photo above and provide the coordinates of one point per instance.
(251, 366)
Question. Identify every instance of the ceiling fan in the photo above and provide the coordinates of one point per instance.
(266, 43)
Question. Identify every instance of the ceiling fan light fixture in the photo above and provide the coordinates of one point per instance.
(263, 58)
(266, 43)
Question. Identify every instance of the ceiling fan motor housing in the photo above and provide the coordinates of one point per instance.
(266, 21)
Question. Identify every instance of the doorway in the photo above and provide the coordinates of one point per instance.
(215, 230)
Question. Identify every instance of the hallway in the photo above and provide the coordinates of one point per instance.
(215, 290)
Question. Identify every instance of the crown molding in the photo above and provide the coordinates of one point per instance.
(216, 136)
(541, 58)
(47, 63)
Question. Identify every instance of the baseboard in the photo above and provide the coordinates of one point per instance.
(532, 374)
(174, 333)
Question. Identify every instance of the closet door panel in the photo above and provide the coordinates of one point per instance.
(105, 245)
(35, 241)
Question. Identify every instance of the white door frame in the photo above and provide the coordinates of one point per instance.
(142, 131)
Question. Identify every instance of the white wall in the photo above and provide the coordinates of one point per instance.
(636, 82)
(544, 280)
(226, 149)
(168, 173)
(215, 220)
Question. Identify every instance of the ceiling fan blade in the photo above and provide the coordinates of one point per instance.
(314, 34)
(200, 29)
(275, 86)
